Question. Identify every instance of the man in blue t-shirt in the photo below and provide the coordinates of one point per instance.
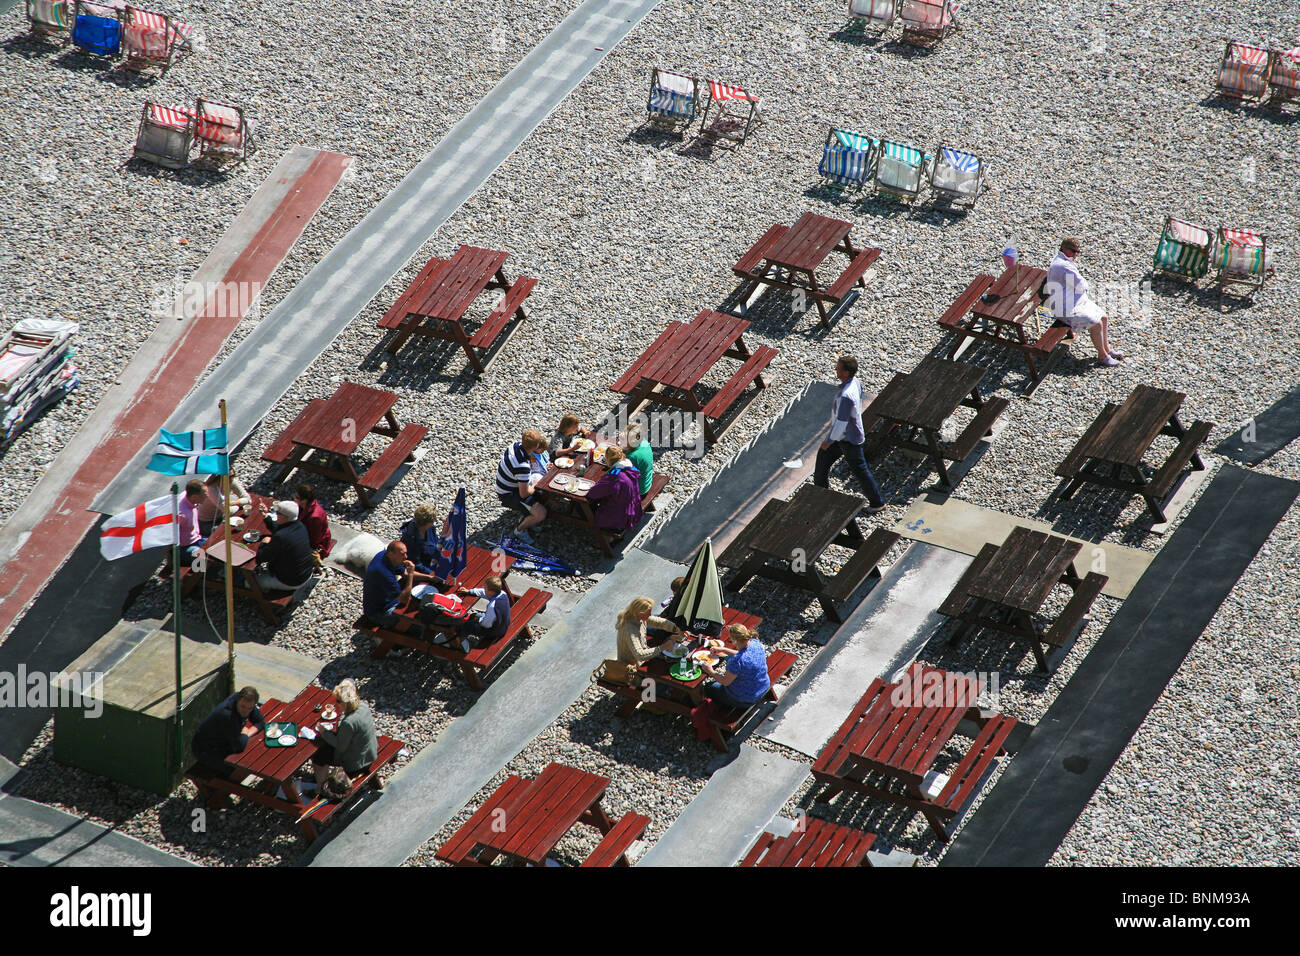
(745, 680)
(386, 585)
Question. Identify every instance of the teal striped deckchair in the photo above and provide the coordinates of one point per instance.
(1242, 258)
(1184, 249)
(848, 158)
(901, 170)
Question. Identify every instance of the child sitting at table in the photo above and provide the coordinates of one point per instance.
(487, 626)
(567, 433)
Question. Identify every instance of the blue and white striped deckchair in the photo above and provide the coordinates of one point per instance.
(674, 98)
(957, 176)
(848, 158)
(900, 170)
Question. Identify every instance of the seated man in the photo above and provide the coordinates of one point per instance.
(516, 482)
(223, 732)
(386, 586)
(745, 680)
(314, 519)
(483, 628)
(287, 557)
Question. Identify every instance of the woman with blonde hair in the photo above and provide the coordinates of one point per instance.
(354, 747)
(632, 624)
(745, 680)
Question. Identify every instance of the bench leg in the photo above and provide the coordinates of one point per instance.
(472, 675)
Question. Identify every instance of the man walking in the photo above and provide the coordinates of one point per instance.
(847, 437)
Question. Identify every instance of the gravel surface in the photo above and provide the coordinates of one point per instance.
(627, 230)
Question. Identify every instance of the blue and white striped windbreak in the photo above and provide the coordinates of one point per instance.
(191, 453)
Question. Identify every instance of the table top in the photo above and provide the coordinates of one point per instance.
(254, 520)
(1017, 292)
(809, 521)
(341, 423)
(685, 352)
(537, 815)
(457, 283)
(281, 763)
(1024, 569)
(1135, 425)
(808, 242)
(928, 394)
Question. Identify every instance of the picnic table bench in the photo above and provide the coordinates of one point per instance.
(1110, 452)
(1006, 586)
(670, 370)
(996, 311)
(435, 303)
(332, 430)
(276, 767)
(899, 731)
(920, 401)
(788, 258)
(815, 843)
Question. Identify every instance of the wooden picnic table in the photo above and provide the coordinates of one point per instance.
(899, 730)
(332, 429)
(788, 258)
(996, 311)
(815, 843)
(1110, 452)
(670, 370)
(579, 511)
(435, 303)
(1005, 586)
(920, 401)
(796, 533)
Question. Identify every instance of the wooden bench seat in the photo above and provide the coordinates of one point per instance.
(726, 720)
(457, 850)
(1078, 455)
(862, 565)
(751, 371)
(1163, 480)
(657, 484)
(870, 419)
(388, 749)
(964, 780)
(1053, 336)
(397, 452)
(862, 261)
(955, 602)
(978, 427)
(819, 843)
(395, 317)
(612, 850)
(509, 305)
(1078, 605)
(977, 287)
(280, 449)
(750, 260)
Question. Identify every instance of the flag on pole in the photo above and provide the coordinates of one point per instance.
(150, 525)
(698, 605)
(191, 453)
(454, 544)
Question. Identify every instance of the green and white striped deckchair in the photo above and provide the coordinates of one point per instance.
(848, 158)
(901, 170)
(1184, 249)
(1242, 258)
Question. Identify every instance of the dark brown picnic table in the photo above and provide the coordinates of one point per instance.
(334, 428)
(899, 730)
(788, 258)
(669, 371)
(435, 302)
(1110, 452)
(919, 402)
(1006, 585)
(996, 310)
(796, 533)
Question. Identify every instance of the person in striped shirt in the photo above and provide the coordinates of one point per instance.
(516, 482)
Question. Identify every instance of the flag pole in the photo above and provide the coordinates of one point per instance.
(176, 618)
(229, 571)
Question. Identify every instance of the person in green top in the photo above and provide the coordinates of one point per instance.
(638, 452)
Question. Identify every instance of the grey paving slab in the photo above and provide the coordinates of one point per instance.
(719, 826)
(285, 344)
(1070, 752)
(519, 704)
(884, 634)
(1267, 433)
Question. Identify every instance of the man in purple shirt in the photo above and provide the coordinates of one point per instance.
(188, 512)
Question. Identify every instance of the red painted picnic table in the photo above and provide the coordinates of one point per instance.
(435, 303)
(245, 583)
(815, 843)
(669, 371)
(899, 730)
(788, 258)
(332, 429)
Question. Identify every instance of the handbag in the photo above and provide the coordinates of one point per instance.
(336, 786)
(615, 672)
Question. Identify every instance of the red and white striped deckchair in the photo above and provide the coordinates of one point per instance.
(1242, 258)
(1244, 73)
(222, 132)
(1284, 76)
(166, 135)
(734, 126)
(150, 39)
(926, 22)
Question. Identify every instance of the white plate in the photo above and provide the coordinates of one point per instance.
(583, 444)
(676, 654)
(562, 482)
(564, 463)
(584, 485)
(288, 740)
(327, 725)
(252, 536)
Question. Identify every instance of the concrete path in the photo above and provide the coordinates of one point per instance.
(1265, 434)
(520, 703)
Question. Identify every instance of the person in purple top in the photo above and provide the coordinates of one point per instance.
(745, 680)
(618, 493)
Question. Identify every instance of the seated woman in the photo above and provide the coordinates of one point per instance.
(640, 454)
(569, 431)
(745, 680)
(632, 623)
(210, 508)
(618, 494)
(354, 746)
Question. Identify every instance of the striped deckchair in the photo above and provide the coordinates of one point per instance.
(1244, 73)
(900, 170)
(1284, 76)
(166, 135)
(925, 22)
(957, 176)
(1241, 258)
(1184, 249)
(674, 98)
(734, 126)
(222, 132)
(874, 13)
(48, 17)
(96, 28)
(848, 158)
(150, 39)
